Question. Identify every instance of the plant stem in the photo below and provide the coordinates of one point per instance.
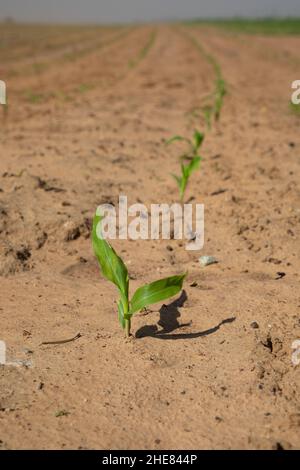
(127, 328)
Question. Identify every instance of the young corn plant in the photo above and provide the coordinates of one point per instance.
(192, 156)
(114, 269)
(186, 171)
(219, 98)
(207, 112)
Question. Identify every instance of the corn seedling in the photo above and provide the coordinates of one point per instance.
(207, 112)
(191, 156)
(220, 93)
(114, 269)
(186, 171)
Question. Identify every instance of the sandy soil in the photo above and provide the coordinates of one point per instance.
(196, 374)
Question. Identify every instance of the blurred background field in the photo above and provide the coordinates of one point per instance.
(272, 26)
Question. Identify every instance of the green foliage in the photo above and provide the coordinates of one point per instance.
(220, 93)
(194, 144)
(177, 138)
(186, 171)
(114, 269)
(267, 26)
(207, 112)
(111, 264)
(191, 155)
(198, 140)
(295, 109)
(155, 292)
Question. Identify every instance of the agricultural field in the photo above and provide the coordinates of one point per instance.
(265, 26)
(94, 112)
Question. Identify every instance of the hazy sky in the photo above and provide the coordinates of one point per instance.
(129, 10)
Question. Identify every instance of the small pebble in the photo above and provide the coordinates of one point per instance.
(207, 260)
(254, 325)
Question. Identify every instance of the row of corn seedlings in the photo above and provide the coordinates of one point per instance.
(190, 160)
(112, 266)
(144, 51)
(213, 104)
(37, 98)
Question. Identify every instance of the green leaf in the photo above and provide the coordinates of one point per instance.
(112, 266)
(220, 93)
(193, 165)
(121, 315)
(155, 292)
(186, 171)
(198, 139)
(207, 116)
(177, 179)
(221, 87)
(177, 138)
